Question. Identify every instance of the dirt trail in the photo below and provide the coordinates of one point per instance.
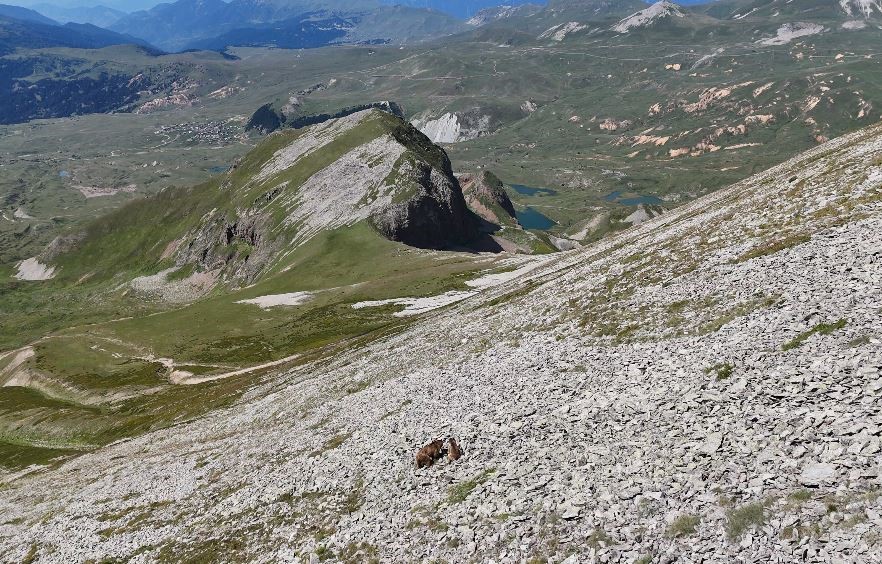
(184, 378)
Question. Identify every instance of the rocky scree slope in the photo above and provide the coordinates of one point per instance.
(369, 166)
(704, 386)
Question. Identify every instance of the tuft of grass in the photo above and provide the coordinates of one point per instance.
(426, 517)
(859, 341)
(330, 444)
(683, 526)
(819, 329)
(740, 519)
(598, 538)
(800, 496)
(31, 555)
(526, 289)
(459, 492)
(358, 552)
(772, 247)
(723, 370)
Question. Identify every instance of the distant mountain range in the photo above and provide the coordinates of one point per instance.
(189, 24)
(21, 28)
(102, 16)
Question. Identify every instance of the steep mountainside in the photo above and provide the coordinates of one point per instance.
(702, 387)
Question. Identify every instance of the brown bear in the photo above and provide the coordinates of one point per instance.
(454, 452)
(427, 455)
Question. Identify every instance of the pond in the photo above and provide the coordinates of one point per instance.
(218, 169)
(532, 219)
(633, 201)
(63, 174)
(530, 191)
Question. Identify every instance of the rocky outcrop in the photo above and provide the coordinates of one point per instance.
(240, 247)
(265, 119)
(453, 127)
(434, 217)
(486, 196)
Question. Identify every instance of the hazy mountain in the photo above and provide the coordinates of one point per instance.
(102, 16)
(19, 34)
(463, 9)
(307, 23)
(25, 15)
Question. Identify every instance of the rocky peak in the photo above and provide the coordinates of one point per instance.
(650, 16)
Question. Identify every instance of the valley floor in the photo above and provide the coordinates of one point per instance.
(704, 387)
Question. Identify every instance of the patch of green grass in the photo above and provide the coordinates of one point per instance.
(204, 550)
(819, 329)
(354, 498)
(523, 291)
(459, 492)
(740, 519)
(357, 386)
(426, 517)
(31, 556)
(358, 553)
(859, 341)
(330, 444)
(773, 247)
(397, 410)
(598, 538)
(683, 526)
(800, 496)
(722, 371)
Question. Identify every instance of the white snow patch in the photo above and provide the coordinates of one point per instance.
(742, 16)
(20, 213)
(32, 269)
(649, 16)
(274, 300)
(497, 278)
(416, 306)
(488, 15)
(789, 32)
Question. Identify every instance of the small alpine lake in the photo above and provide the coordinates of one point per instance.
(618, 198)
(529, 218)
(530, 191)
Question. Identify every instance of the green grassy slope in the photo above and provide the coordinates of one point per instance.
(100, 361)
